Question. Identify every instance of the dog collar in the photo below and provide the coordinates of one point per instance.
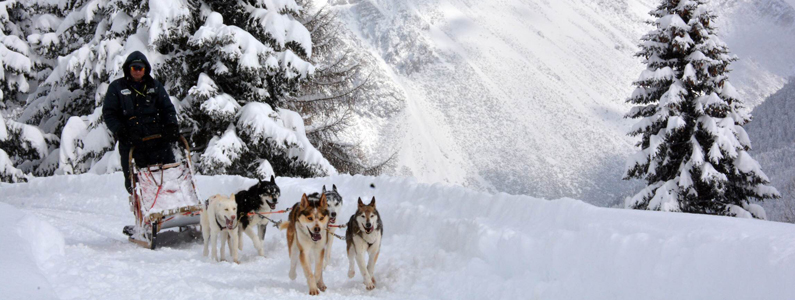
(223, 227)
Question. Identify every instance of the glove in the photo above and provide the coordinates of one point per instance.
(171, 132)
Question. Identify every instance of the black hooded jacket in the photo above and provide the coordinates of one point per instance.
(142, 109)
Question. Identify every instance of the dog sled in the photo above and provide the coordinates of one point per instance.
(164, 196)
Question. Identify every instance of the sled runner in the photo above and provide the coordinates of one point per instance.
(164, 196)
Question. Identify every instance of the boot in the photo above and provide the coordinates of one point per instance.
(129, 230)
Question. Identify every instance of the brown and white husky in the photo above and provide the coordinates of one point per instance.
(306, 240)
(364, 235)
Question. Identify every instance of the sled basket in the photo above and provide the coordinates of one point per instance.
(164, 196)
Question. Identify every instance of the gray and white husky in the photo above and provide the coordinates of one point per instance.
(334, 201)
(363, 235)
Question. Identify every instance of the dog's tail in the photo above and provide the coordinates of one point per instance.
(284, 225)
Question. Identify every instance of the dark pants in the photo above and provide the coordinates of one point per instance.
(144, 156)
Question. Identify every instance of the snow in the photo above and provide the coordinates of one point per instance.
(163, 16)
(85, 15)
(441, 242)
(7, 168)
(222, 106)
(14, 56)
(282, 28)
(245, 47)
(74, 129)
(30, 248)
(31, 134)
(282, 127)
(109, 163)
(205, 87)
(3, 129)
(223, 150)
(673, 21)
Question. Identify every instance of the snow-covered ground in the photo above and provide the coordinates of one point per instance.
(62, 238)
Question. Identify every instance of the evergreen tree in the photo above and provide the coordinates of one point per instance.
(8, 173)
(233, 76)
(216, 74)
(693, 147)
(343, 80)
(14, 53)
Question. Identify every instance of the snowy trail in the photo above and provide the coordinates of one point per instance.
(441, 242)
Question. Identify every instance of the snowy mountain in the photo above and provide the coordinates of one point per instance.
(63, 240)
(774, 148)
(527, 97)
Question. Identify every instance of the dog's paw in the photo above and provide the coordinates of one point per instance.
(370, 284)
(373, 280)
(321, 286)
(314, 291)
(261, 252)
(292, 275)
(351, 273)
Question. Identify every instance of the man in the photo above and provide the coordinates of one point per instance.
(136, 107)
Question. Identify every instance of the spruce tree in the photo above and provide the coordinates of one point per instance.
(218, 59)
(693, 153)
(233, 77)
(14, 54)
(8, 173)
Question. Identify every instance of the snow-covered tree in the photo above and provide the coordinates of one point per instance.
(342, 82)
(218, 59)
(693, 146)
(14, 53)
(27, 147)
(78, 47)
(8, 173)
(233, 76)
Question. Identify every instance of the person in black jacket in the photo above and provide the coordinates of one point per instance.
(136, 107)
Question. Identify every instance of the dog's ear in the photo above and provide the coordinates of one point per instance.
(304, 202)
(323, 201)
(334, 187)
(324, 189)
(360, 202)
(372, 202)
(273, 179)
(232, 196)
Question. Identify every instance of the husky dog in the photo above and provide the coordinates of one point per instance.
(334, 201)
(219, 217)
(364, 235)
(259, 198)
(306, 240)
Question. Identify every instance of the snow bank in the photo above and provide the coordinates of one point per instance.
(441, 242)
(29, 248)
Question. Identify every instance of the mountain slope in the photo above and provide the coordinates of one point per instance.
(515, 96)
(773, 140)
(441, 242)
(527, 97)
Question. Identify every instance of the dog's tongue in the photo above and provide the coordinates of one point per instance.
(315, 236)
(368, 229)
(229, 223)
(272, 205)
(332, 220)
